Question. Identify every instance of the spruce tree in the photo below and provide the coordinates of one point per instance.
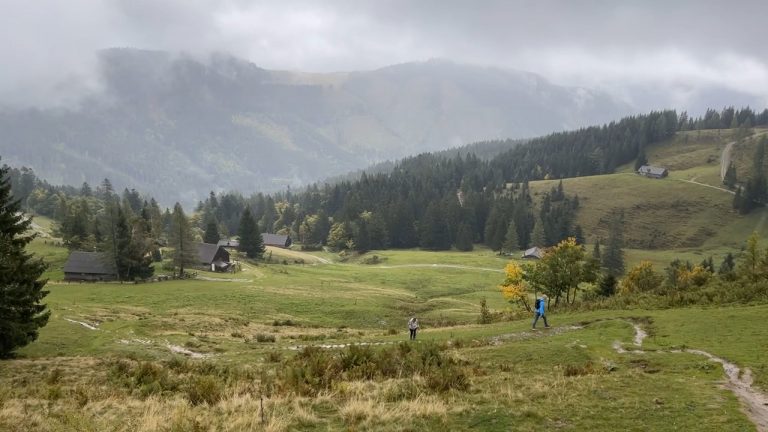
(433, 230)
(181, 240)
(537, 236)
(511, 243)
(21, 312)
(641, 159)
(250, 238)
(211, 232)
(613, 257)
(464, 238)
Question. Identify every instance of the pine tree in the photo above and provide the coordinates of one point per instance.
(464, 238)
(578, 234)
(181, 240)
(613, 258)
(250, 238)
(596, 251)
(607, 286)
(641, 159)
(21, 312)
(433, 230)
(537, 236)
(727, 267)
(511, 243)
(211, 232)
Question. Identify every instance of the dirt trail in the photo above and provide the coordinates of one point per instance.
(693, 181)
(84, 324)
(725, 157)
(754, 403)
(452, 266)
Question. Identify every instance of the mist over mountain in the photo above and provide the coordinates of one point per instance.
(180, 126)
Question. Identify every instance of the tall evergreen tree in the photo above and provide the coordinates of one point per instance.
(181, 240)
(613, 257)
(537, 236)
(596, 250)
(511, 242)
(250, 238)
(211, 232)
(21, 291)
(433, 230)
(464, 238)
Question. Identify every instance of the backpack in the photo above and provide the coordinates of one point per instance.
(537, 305)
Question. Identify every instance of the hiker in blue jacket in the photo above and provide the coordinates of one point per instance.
(539, 310)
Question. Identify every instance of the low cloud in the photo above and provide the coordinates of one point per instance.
(689, 47)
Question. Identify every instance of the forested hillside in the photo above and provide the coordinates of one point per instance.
(433, 201)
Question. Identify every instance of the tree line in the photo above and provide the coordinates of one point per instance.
(432, 201)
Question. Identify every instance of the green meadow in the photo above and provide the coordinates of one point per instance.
(145, 365)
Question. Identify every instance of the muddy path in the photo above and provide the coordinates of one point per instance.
(754, 403)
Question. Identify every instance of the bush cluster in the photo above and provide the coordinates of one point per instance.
(313, 369)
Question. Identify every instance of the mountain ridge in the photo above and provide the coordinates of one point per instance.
(180, 126)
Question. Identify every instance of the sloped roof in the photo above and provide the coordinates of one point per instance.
(274, 239)
(206, 252)
(649, 169)
(534, 252)
(229, 243)
(89, 263)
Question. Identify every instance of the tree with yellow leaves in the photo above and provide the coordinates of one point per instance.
(514, 288)
(558, 274)
(641, 278)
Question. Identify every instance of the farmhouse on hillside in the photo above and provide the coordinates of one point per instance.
(278, 240)
(213, 256)
(533, 253)
(89, 266)
(652, 171)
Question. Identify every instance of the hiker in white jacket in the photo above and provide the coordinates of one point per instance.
(413, 325)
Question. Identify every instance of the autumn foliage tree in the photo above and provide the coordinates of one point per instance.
(514, 288)
(560, 271)
(640, 279)
(558, 274)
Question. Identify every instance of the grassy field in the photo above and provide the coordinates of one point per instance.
(139, 369)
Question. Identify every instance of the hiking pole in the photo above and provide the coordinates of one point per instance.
(261, 403)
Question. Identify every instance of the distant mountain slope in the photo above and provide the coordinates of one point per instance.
(179, 127)
(682, 211)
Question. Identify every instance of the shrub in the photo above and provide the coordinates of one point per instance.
(579, 370)
(263, 337)
(447, 378)
(313, 369)
(54, 377)
(204, 389)
(287, 323)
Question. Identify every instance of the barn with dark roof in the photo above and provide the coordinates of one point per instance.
(213, 256)
(279, 240)
(89, 266)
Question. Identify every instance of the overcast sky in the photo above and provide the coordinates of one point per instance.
(47, 46)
